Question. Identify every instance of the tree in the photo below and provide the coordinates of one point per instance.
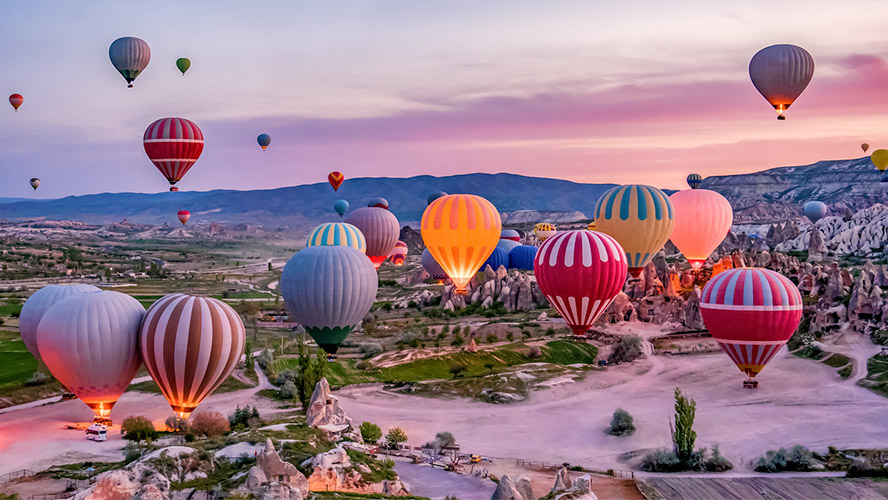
(269, 266)
(621, 423)
(138, 429)
(534, 352)
(209, 424)
(628, 349)
(433, 450)
(395, 437)
(249, 359)
(370, 432)
(455, 370)
(107, 274)
(176, 424)
(683, 435)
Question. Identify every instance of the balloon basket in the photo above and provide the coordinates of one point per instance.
(781, 117)
(102, 420)
(173, 188)
(750, 383)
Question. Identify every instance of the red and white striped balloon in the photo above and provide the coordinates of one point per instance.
(173, 145)
(580, 272)
(751, 312)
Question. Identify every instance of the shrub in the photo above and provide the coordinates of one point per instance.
(370, 432)
(622, 423)
(798, 459)
(455, 370)
(492, 338)
(266, 359)
(244, 417)
(550, 331)
(628, 349)
(661, 460)
(534, 352)
(138, 428)
(209, 424)
(38, 378)
(395, 436)
(176, 424)
(458, 340)
(717, 462)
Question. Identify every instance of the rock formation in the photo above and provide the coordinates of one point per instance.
(325, 413)
(272, 478)
(507, 489)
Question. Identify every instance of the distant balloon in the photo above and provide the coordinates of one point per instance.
(190, 346)
(328, 290)
(815, 210)
(35, 183)
(591, 226)
(381, 229)
(431, 266)
(499, 257)
(341, 206)
(90, 343)
(751, 313)
(264, 140)
(335, 179)
(183, 216)
(399, 253)
(379, 202)
(130, 56)
(173, 145)
(337, 234)
(16, 100)
(703, 219)
(507, 245)
(521, 257)
(36, 306)
(183, 63)
(639, 217)
(880, 159)
(781, 73)
(544, 231)
(434, 196)
(510, 234)
(694, 180)
(864, 147)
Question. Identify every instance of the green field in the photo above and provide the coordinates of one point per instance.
(10, 309)
(18, 364)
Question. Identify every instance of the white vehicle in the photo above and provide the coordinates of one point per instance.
(97, 432)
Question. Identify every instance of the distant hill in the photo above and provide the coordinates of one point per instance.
(308, 204)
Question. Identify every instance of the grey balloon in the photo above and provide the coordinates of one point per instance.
(380, 228)
(329, 290)
(431, 266)
(36, 306)
(130, 56)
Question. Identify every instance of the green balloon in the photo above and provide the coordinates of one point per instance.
(183, 63)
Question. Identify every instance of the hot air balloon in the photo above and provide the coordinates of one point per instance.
(183, 63)
(335, 179)
(815, 210)
(183, 216)
(190, 346)
(380, 228)
(751, 312)
(521, 257)
(461, 230)
(591, 226)
(399, 253)
(431, 266)
(35, 183)
(16, 100)
(639, 217)
(510, 234)
(173, 145)
(36, 306)
(702, 220)
(379, 202)
(694, 180)
(507, 245)
(499, 257)
(329, 290)
(880, 159)
(341, 206)
(264, 140)
(336, 234)
(864, 147)
(580, 272)
(434, 196)
(544, 231)
(781, 73)
(130, 56)
(90, 343)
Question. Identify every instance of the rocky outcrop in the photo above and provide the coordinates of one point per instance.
(519, 489)
(579, 490)
(333, 471)
(864, 234)
(273, 478)
(325, 413)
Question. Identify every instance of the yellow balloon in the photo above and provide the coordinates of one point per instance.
(544, 231)
(461, 231)
(591, 226)
(639, 217)
(880, 159)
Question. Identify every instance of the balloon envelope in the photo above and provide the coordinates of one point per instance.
(580, 273)
(341, 206)
(264, 140)
(499, 257)
(702, 220)
(380, 228)
(35, 183)
(190, 346)
(461, 230)
(544, 230)
(379, 202)
(183, 216)
(521, 257)
(880, 159)
(864, 147)
(130, 56)
(431, 266)
(694, 180)
(781, 73)
(434, 196)
(507, 245)
(183, 63)
(815, 210)
(90, 343)
(639, 217)
(16, 100)
(36, 306)
(510, 234)
(329, 290)
(337, 234)
(173, 145)
(335, 179)
(751, 312)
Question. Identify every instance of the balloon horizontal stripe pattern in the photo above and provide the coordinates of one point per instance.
(190, 346)
(173, 145)
(751, 358)
(750, 289)
(580, 273)
(337, 233)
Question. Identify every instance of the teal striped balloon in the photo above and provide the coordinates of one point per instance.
(337, 234)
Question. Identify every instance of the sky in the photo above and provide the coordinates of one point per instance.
(589, 91)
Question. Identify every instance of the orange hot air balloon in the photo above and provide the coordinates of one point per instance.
(702, 220)
(335, 179)
(183, 216)
(461, 231)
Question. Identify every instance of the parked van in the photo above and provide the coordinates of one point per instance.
(97, 432)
